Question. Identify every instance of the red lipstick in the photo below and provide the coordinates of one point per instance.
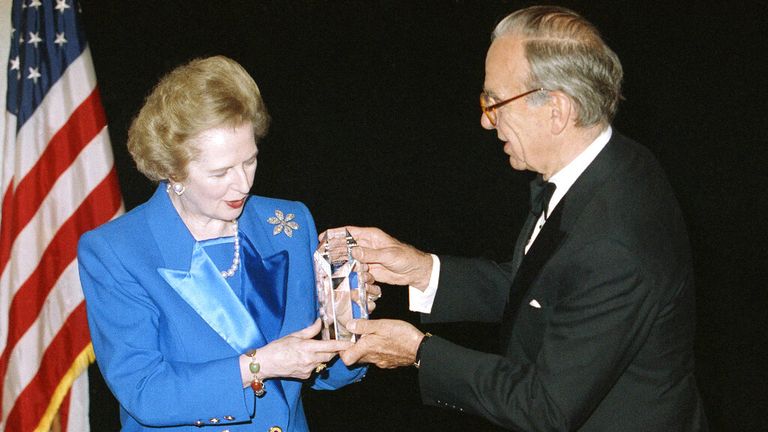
(235, 204)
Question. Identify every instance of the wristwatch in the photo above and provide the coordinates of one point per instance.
(423, 342)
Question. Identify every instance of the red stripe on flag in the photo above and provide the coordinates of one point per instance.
(100, 205)
(71, 340)
(20, 206)
(7, 214)
(64, 412)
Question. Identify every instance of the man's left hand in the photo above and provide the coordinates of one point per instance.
(385, 343)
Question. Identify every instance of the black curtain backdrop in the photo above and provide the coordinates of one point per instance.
(376, 122)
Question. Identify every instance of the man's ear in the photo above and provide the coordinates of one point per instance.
(562, 111)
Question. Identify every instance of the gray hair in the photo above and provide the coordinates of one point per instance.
(566, 53)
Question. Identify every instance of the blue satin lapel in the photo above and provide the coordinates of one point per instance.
(265, 287)
(203, 288)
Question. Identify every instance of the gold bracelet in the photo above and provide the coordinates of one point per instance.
(257, 385)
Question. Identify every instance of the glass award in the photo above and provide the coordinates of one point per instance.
(341, 290)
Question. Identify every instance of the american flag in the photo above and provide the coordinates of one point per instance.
(58, 181)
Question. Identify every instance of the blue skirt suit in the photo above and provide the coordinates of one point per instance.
(168, 329)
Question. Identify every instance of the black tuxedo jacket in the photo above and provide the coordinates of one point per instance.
(597, 324)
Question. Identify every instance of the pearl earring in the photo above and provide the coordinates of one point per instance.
(178, 189)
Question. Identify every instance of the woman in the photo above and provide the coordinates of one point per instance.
(201, 301)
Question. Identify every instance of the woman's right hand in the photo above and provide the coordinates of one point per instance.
(296, 355)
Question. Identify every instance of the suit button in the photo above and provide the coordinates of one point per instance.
(275, 429)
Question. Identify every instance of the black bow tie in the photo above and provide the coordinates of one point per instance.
(541, 193)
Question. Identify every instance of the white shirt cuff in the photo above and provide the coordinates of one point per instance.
(421, 301)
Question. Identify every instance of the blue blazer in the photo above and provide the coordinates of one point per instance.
(168, 331)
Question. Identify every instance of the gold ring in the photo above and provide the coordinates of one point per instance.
(320, 367)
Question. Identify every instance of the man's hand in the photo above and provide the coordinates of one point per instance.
(389, 260)
(386, 343)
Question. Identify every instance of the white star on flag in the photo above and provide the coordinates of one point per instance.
(34, 74)
(34, 39)
(60, 39)
(35, 3)
(16, 65)
(61, 5)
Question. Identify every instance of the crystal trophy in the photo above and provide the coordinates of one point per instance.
(341, 290)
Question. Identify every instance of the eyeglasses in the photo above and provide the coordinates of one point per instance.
(489, 108)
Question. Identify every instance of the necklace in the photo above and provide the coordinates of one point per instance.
(236, 259)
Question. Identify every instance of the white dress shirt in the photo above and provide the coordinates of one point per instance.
(421, 301)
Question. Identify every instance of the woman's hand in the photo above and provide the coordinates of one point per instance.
(296, 355)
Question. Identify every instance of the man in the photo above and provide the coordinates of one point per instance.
(596, 310)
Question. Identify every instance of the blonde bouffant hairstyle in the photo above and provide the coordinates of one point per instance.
(200, 95)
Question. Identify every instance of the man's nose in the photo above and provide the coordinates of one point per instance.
(485, 123)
